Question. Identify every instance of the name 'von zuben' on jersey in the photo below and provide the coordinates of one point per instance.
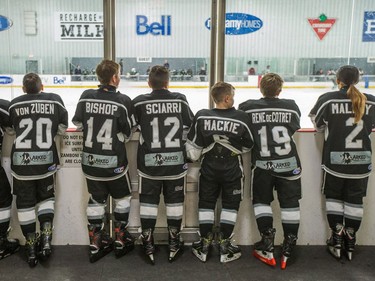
(273, 124)
(227, 128)
(163, 118)
(36, 119)
(347, 146)
(105, 117)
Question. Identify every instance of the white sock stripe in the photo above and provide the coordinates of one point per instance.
(26, 215)
(228, 216)
(290, 215)
(122, 205)
(5, 214)
(353, 211)
(262, 210)
(175, 211)
(148, 210)
(46, 205)
(335, 206)
(95, 210)
(206, 215)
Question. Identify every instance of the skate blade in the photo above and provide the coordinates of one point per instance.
(174, 254)
(99, 254)
(335, 252)
(229, 257)
(32, 262)
(349, 255)
(151, 258)
(122, 251)
(4, 254)
(201, 256)
(283, 261)
(265, 257)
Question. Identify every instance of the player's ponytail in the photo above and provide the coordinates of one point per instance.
(349, 76)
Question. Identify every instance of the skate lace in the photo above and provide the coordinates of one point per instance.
(32, 241)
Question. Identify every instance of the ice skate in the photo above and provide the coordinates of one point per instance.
(202, 247)
(334, 243)
(32, 245)
(148, 244)
(349, 242)
(124, 242)
(100, 242)
(8, 246)
(176, 243)
(287, 248)
(263, 250)
(45, 240)
(228, 251)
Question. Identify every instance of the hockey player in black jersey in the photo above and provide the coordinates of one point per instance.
(37, 118)
(346, 117)
(105, 116)
(275, 165)
(7, 246)
(217, 138)
(163, 118)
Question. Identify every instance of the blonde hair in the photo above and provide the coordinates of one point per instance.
(349, 76)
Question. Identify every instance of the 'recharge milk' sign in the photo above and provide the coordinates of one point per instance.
(78, 26)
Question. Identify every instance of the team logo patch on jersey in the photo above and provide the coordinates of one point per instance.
(99, 161)
(26, 159)
(279, 166)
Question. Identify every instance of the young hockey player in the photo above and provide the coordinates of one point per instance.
(105, 116)
(275, 165)
(346, 117)
(218, 137)
(37, 118)
(7, 246)
(162, 118)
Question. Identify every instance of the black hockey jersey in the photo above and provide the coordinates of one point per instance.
(4, 120)
(162, 117)
(347, 146)
(215, 128)
(36, 119)
(105, 116)
(273, 124)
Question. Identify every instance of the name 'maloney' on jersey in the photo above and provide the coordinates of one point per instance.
(162, 117)
(104, 115)
(227, 128)
(273, 123)
(347, 149)
(37, 119)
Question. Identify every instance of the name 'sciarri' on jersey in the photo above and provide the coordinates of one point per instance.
(163, 118)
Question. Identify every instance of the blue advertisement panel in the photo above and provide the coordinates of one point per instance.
(368, 34)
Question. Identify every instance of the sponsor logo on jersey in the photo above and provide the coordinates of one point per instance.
(33, 158)
(164, 159)
(279, 166)
(119, 170)
(99, 161)
(163, 28)
(239, 23)
(52, 168)
(321, 25)
(355, 158)
(296, 171)
(5, 23)
(6, 80)
(368, 34)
